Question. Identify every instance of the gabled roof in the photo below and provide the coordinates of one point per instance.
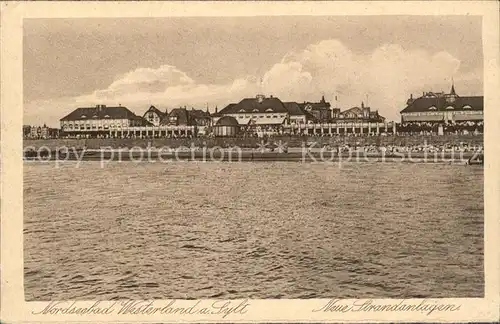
(315, 105)
(181, 114)
(101, 112)
(294, 109)
(157, 111)
(253, 105)
(198, 113)
(423, 104)
(353, 110)
(227, 108)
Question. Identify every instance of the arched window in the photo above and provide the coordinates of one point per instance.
(255, 110)
(432, 108)
(83, 116)
(467, 107)
(269, 110)
(449, 108)
(242, 110)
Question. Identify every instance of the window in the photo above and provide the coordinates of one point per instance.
(83, 116)
(467, 107)
(269, 110)
(242, 110)
(432, 108)
(107, 116)
(95, 116)
(449, 108)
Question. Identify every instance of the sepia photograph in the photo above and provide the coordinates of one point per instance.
(256, 157)
(265, 163)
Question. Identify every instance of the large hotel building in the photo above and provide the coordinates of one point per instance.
(443, 107)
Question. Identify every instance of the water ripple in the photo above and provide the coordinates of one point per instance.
(250, 230)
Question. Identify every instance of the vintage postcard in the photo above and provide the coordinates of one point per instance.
(250, 162)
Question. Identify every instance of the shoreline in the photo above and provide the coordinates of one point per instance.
(250, 142)
(252, 156)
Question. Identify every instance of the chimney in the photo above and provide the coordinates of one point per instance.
(260, 98)
(216, 109)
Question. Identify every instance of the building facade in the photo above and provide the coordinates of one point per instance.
(257, 115)
(298, 115)
(100, 120)
(200, 118)
(155, 116)
(321, 110)
(39, 132)
(443, 108)
(357, 114)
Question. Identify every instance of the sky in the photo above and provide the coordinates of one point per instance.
(213, 61)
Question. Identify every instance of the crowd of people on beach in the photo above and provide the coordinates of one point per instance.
(411, 148)
(432, 128)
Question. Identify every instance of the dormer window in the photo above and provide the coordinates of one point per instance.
(107, 116)
(95, 116)
(449, 108)
(83, 116)
(450, 99)
(269, 110)
(467, 107)
(255, 110)
(432, 108)
(242, 110)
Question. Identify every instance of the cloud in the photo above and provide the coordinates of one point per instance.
(383, 79)
(146, 80)
(287, 80)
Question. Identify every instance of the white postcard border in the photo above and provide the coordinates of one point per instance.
(15, 309)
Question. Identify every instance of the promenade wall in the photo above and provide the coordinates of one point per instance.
(295, 141)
